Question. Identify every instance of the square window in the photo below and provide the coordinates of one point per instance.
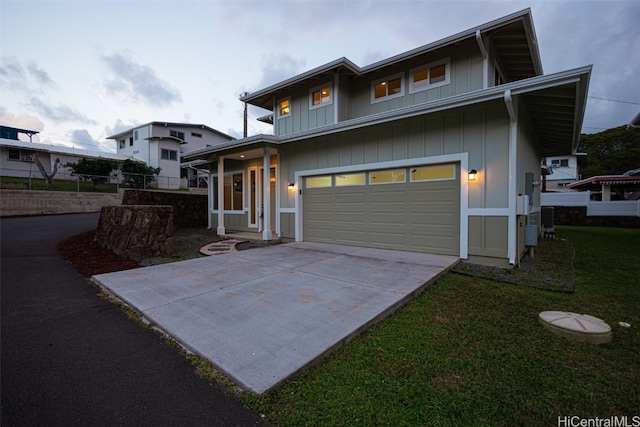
(437, 74)
(176, 134)
(321, 96)
(14, 154)
(285, 107)
(166, 154)
(391, 87)
(420, 78)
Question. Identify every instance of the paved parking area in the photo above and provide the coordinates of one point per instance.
(263, 314)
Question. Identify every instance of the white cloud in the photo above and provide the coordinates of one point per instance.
(137, 82)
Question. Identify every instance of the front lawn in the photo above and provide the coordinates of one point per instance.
(470, 351)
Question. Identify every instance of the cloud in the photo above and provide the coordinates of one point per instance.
(138, 82)
(30, 77)
(60, 114)
(278, 67)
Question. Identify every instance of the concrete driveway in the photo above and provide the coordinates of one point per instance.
(263, 314)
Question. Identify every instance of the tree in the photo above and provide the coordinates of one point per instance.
(48, 177)
(611, 152)
(94, 170)
(137, 174)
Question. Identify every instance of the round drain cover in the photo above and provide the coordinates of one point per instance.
(579, 327)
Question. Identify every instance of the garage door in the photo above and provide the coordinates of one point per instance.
(412, 209)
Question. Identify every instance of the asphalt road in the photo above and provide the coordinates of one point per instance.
(69, 357)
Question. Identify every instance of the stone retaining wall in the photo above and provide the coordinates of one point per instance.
(189, 210)
(136, 232)
(25, 202)
(564, 215)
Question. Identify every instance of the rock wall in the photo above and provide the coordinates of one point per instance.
(136, 232)
(189, 210)
(564, 215)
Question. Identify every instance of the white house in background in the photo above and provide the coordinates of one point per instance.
(161, 144)
(564, 170)
(16, 157)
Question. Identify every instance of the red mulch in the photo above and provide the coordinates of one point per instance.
(89, 258)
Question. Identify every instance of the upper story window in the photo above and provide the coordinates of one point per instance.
(320, 96)
(166, 154)
(175, 133)
(122, 143)
(196, 135)
(390, 87)
(284, 107)
(430, 76)
(560, 163)
(130, 142)
(135, 134)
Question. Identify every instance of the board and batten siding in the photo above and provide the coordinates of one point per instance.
(466, 76)
(483, 132)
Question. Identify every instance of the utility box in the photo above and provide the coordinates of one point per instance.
(522, 205)
(531, 235)
(548, 225)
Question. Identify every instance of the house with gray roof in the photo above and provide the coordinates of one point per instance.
(436, 150)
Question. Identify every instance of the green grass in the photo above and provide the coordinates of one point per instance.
(62, 185)
(470, 352)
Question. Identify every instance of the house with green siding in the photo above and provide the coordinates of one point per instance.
(435, 150)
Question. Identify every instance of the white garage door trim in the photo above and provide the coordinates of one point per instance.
(462, 158)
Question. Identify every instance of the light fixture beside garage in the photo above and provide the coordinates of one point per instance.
(472, 174)
(291, 186)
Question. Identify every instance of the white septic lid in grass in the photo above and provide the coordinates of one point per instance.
(579, 327)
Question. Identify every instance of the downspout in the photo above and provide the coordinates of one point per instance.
(513, 158)
(485, 60)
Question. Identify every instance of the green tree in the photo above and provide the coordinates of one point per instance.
(137, 174)
(94, 170)
(611, 152)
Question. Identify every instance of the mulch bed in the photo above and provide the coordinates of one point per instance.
(89, 258)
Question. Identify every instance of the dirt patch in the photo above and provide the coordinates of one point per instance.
(550, 269)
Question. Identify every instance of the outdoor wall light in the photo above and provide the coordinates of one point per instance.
(472, 174)
(291, 186)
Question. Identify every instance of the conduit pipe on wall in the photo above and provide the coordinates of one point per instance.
(513, 158)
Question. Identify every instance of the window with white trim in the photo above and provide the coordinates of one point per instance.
(284, 107)
(320, 96)
(387, 88)
(166, 154)
(430, 76)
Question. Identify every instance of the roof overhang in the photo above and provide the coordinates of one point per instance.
(62, 150)
(513, 37)
(596, 182)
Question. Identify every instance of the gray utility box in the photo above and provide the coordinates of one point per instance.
(531, 235)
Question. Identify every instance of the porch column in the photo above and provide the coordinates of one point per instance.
(606, 193)
(266, 195)
(220, 230)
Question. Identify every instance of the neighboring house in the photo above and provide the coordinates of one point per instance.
(563, 170)
(611, 187)
(434, 150)
(16, 157)
(635, 122)
(161, 144)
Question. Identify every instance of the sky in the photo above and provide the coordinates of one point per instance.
(80, 71)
